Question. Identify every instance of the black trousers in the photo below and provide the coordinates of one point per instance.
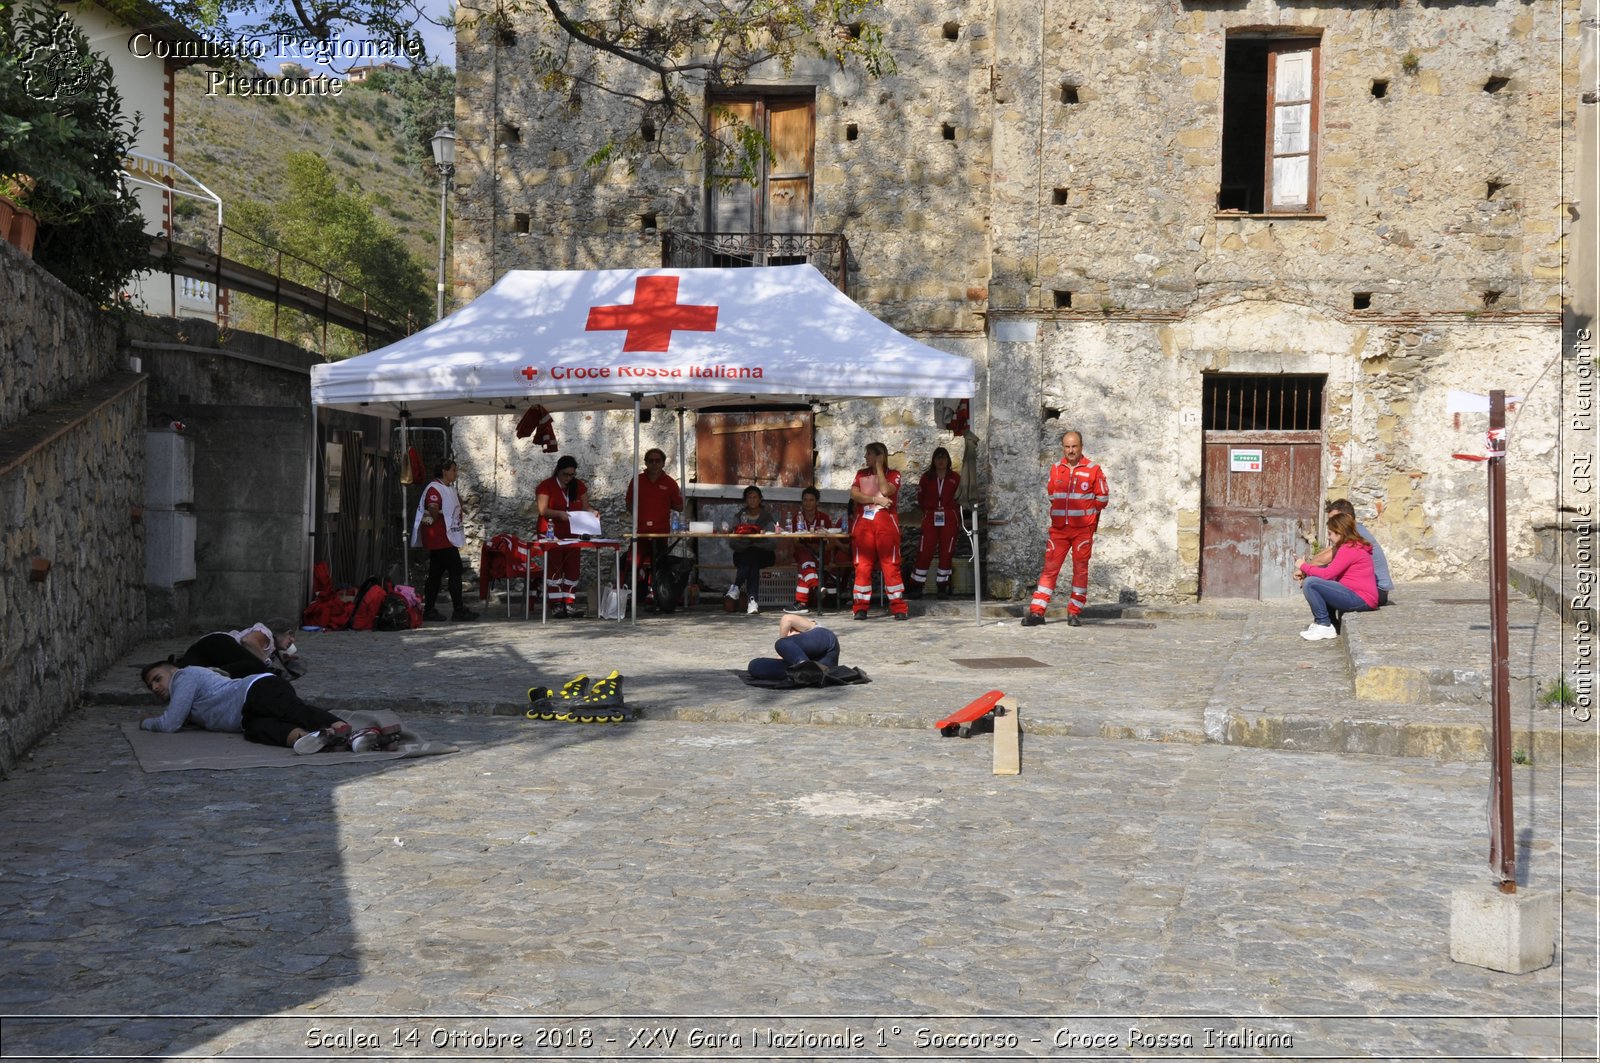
(221, 650)
(748, 561)
(441, 562)
(272, 710)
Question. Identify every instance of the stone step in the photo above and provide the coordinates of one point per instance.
(1555, 587)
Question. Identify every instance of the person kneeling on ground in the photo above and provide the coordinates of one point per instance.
(1346, 585)
(264, 707)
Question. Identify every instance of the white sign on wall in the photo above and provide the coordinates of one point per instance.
(1241, 460)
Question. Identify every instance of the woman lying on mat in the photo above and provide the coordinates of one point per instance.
(259, 649)
(264, 707)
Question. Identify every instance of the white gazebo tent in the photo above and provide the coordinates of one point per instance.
(618, 339)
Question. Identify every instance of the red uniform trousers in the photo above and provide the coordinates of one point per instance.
(935, 540)
(877, 545)
(808, 576)
(562, 564)
(1080, 543)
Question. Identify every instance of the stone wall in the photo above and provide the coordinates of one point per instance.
(245, 400)
(1066, 235)
(71, 482)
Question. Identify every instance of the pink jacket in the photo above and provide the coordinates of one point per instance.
(1351, 567)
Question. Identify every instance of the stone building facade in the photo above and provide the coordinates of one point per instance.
(71, 486)
(1147, 221)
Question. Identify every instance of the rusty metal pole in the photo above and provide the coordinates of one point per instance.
(1502, 838)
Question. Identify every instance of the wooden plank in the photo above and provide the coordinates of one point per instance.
(1007, 738)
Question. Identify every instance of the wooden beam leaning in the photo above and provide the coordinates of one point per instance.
(1007, 738)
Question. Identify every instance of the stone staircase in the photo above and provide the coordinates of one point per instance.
(1555, 575)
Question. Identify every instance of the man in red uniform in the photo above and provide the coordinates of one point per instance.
(875, 533)
(659, 496)
(1077, 492)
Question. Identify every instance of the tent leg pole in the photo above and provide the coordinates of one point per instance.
(400, 482)
(977, 571)
(638, 500)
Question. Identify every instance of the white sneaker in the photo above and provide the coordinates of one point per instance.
(1317, 632)
(752, 608)
(733, 590)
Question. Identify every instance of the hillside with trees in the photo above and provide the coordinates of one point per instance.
(345, 182)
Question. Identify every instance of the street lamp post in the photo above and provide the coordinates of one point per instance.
(444, 157)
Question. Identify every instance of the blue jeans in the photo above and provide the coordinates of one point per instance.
(1328, 596)
(819, 644)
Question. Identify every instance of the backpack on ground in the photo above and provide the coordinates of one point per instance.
(394, 614)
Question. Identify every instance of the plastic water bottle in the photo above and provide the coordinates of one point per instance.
(676, 523)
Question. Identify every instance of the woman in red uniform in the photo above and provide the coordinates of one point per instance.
(936, 497)
(561, 494)
(875, 533)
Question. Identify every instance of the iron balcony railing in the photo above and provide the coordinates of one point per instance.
(828, 252)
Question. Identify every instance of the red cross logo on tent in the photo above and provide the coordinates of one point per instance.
(653, 316)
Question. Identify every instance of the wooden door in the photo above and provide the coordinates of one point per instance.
(768, 448)
(1261, 490)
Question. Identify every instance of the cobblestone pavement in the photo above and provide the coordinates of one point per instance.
(714, 883)
(1235, 673)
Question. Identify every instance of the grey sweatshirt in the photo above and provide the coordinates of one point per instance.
(213, 701)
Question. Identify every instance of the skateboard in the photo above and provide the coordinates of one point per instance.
(961, 721)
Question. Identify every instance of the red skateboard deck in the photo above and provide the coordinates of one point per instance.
(960, 722)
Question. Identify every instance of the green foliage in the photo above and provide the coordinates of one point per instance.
(325, 226)
(683, 53)
(427, 104)
(661, 59)
(1559, 693)
(62, 129)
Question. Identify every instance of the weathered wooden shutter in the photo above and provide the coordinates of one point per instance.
(789, 130)
(1291, 139)
(731, 201)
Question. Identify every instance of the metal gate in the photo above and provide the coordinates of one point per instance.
(1262, 482)
(356, 532)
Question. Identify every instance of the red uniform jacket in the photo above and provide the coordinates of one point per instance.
(892, 512)
(932, 495)
(1077, 494)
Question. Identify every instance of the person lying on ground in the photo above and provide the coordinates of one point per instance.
(802, 644)
(260, 649)
(264, 708)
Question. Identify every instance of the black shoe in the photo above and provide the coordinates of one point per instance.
(463, 614)
(902, 616)
(1033, 620)
(557, 612)
(859, 614)
(432, 614)
(944, 590)
(914, 592)
(1073, 621)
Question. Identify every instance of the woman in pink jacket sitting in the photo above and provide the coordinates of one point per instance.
(1345, 585)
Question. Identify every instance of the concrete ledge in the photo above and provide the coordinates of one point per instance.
(1540, 580)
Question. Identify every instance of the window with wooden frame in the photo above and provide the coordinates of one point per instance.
(1270, 122)
(779, 199)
